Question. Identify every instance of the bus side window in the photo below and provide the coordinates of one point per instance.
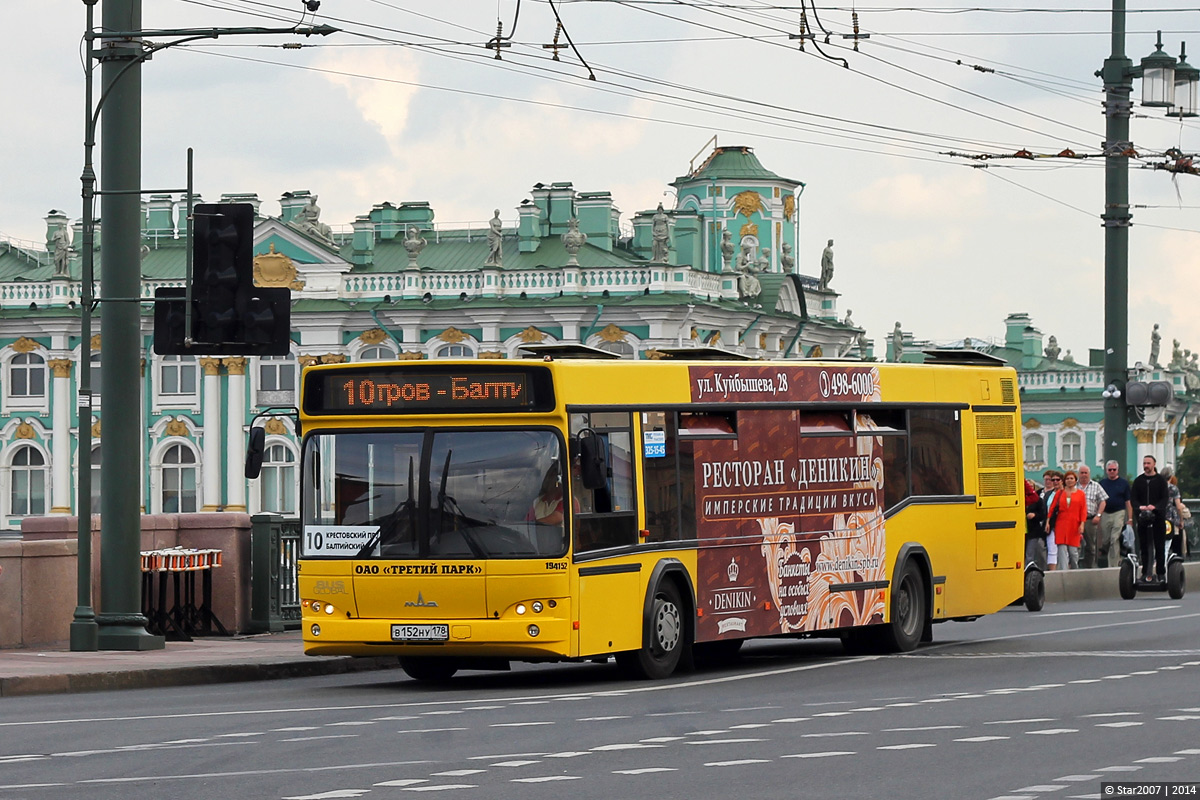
(937, 466)
(660, 475)
(607, 516)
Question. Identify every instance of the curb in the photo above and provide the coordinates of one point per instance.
(192, 675)
(1094, 584)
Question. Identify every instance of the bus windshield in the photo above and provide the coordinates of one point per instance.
(448, 493)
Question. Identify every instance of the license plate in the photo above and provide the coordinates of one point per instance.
(420, 633)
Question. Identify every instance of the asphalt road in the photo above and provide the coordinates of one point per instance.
(1016, 705)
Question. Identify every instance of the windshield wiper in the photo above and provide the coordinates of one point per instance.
(443, 499)
(393, 519)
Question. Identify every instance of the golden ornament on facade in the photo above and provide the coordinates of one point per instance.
(275, 427)
(96, 343)
(654, 354)
(176, 427)
(306, 361)
(532, 335)
(334, 358)
(452, 335)
(789, 207)
(61, 367)
(762, 341)
(96, 429)
(747, 203)
(1032, 423)
(492, 354)
(26, 345)
(713, 338)
(410, 355)
(235, 365)
(612, 333)
(1143, 436)
(373, 336)
(211, 366)
(749, 229)
(25, 431)
(273, 269)
(1070, 422)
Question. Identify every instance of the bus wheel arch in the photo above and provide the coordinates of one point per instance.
(910, 613)
(668, 624)
(429, 669)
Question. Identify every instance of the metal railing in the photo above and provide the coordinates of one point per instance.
(274, 586)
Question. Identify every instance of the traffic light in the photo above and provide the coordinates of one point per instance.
(1140, 394)
(230, 315)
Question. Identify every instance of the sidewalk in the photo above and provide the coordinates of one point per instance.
(217, 659)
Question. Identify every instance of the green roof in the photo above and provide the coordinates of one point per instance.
(732, 163)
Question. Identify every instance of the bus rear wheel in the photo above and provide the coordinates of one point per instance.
(428, 670)
(664, 640)
(909, 609)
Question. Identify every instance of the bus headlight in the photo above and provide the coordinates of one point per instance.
(520, 608)
(329, 608)
(315, 629)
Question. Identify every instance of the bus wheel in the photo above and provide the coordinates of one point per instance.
(1125, 580)
(658, 658)
(1035, 590)
(860, 641)
(909, 603)
(429, 670)
(1175, 579)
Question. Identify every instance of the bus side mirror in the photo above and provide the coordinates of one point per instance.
(593, 462)
(254, 452)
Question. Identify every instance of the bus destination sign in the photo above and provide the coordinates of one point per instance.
(387, 390)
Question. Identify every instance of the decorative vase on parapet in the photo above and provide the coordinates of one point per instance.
(572, 240)
(414, 243)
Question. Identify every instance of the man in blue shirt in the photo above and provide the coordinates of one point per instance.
(1117, 511)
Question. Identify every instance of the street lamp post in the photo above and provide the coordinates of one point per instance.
(1158, 74)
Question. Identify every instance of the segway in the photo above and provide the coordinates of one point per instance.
(1130, 582)
(1035, 587)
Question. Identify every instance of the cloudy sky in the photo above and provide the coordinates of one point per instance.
(406, 104)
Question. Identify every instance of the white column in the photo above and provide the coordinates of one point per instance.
(60, 490)
(211, 411)
(235, 475)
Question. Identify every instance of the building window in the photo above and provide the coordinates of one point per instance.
(177, 375)
(276, 374)
(1072, 447)
(178, 480)
(454, 351)
(376, 354)
(96, 479)
(278, 482)
(1035, 449)
(622, 348)
(28, 494)
(27, 376)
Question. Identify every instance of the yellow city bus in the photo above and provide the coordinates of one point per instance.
(464, 514)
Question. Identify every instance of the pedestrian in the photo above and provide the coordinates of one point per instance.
(1035, 526)
(1096, 499)
(1068, 511)
(1118, 511)
(1150, 493)
(1051, 483)
(1175, 507)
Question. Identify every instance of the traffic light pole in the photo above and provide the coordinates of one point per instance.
(120, 625)
(1118, 87)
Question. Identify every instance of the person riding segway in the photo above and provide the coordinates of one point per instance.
(1150, 566)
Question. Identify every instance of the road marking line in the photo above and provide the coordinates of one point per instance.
(440, 787)
(644, 770)
(517, 763)
(662, 739)
(910, 746)
(923, 728)
(447, 711)
(1043, 787)
(982, 739)
(1119, 768)
(738, 763)
(1159, 760)
(727, 741)
(868, 708)
(568, 754)
(602, 719)
(315, 738)
(547, 779)
(627, 746)
(749, 725)
(517, 724)
(1051, 731)
(839, 733)
(348, 724)
(791, 719)
(402, 782)
(1187, 752)
(1181, 718)
(430, 730)
(1113, 714)
(336, 793)
(456, 773)
(1128, 724)
(1078, 778)
(1020, 721)
(826, 754)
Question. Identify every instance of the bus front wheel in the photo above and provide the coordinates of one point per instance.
(428, 670)
(909, 609)
(664, 641)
